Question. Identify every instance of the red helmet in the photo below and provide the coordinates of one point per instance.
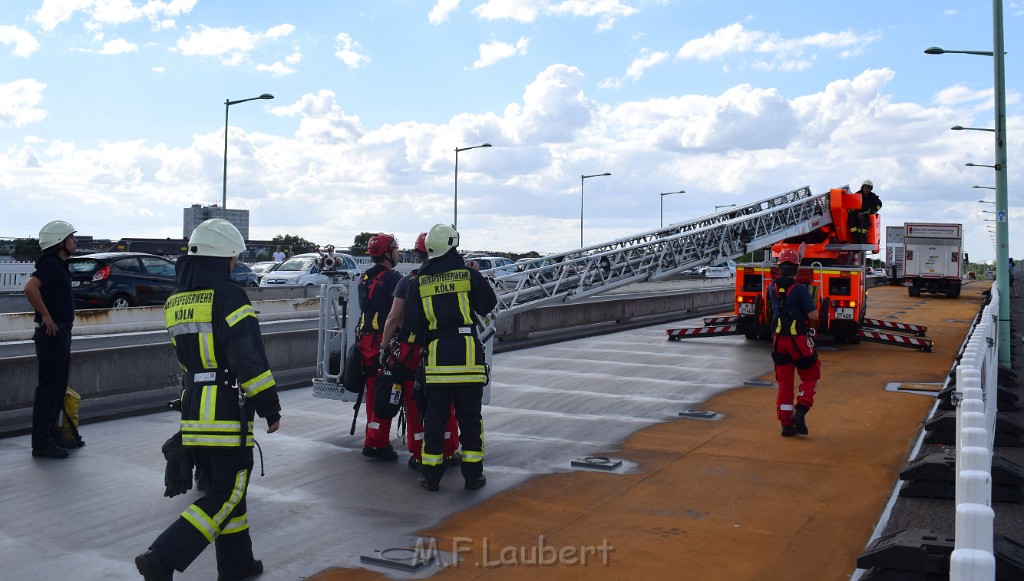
(789, 255)
(421, 243)
(380, 244)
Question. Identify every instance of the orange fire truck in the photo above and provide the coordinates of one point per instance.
(833, 268)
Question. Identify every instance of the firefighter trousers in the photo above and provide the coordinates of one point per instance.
(218, 517)
(54, 355)
(796, 347)
(414, 426)
(467, 400)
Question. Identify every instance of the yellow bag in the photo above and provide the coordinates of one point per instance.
(67, 421)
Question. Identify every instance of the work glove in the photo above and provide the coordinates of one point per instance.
(384, 356)
(178, 472)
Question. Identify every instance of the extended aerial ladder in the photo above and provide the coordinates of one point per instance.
(833, 270)
(578, 274)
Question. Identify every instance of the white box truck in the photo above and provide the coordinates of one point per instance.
(894, 254)
(933, 258)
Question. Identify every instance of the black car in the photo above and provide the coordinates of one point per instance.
(120, 279)
(244, 275)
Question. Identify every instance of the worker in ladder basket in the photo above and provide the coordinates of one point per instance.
(401, 351)
(375, 290)
(793, 344)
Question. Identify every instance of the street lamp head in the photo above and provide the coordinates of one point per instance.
(934, 50)
(266, 96)
(486, 145)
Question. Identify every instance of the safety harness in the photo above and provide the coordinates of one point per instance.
(786, 325)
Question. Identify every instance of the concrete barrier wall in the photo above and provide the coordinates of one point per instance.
(140, 368)
(101, 372)
(521, 325)
(20, 326)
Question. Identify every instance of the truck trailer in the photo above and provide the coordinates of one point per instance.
(933, 258)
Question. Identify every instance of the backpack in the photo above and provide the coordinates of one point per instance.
(67, 421)
(387, 395)
(783, 322)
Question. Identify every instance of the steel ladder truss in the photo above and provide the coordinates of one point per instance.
(662, 253)
(578, 274)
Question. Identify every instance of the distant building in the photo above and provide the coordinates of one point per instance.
(197, 214)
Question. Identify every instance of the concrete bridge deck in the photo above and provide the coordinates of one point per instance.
(694, 499)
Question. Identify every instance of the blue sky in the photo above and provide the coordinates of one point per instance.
(112, 113)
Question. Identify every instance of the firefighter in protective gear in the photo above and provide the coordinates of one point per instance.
(375, 296)
(793, 344)
(225, 381)
(442, 307)
(401, 351)
(860, 220)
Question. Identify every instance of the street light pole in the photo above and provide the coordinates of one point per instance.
(581, 200)
(455, 224)
(224, 192)
(959, 128)
(1002, 214)
(663, 204)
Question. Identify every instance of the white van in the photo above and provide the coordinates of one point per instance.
(305, 270)
(727, 270)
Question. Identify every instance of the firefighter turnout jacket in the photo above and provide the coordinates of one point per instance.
(217, 341)
(441, 307)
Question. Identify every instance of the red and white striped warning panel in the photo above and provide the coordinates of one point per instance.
(677, 334)
(719, 321)
(918, 343)
(920, 330)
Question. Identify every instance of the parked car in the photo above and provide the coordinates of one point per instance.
(304, 270)
(244, 275)
(727, 270)
(120, 279)
(504, 265)
(262, 268)
(879, 272)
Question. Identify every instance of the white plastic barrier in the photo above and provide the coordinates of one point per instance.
(973, 558)
(14, 275)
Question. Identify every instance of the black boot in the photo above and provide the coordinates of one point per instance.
(152, 567)
(798, 419)
(254, 569)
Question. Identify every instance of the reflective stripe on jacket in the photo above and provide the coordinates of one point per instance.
(217, 342)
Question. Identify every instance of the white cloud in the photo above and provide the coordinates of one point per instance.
(18, 100)
(646, 60)
(785, 54)
(232, 45)
(279, 31)
(496, 51)
(321, 119)
(24, 43)
(118, 46)
(222, 42)
(55, 12)
(159, 69)
(348, 50)
(442, 10)
(527, 11)
(277, 69)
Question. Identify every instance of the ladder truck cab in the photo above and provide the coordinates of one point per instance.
(832, 267)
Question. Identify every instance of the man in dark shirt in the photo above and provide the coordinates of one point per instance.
(48, 290)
